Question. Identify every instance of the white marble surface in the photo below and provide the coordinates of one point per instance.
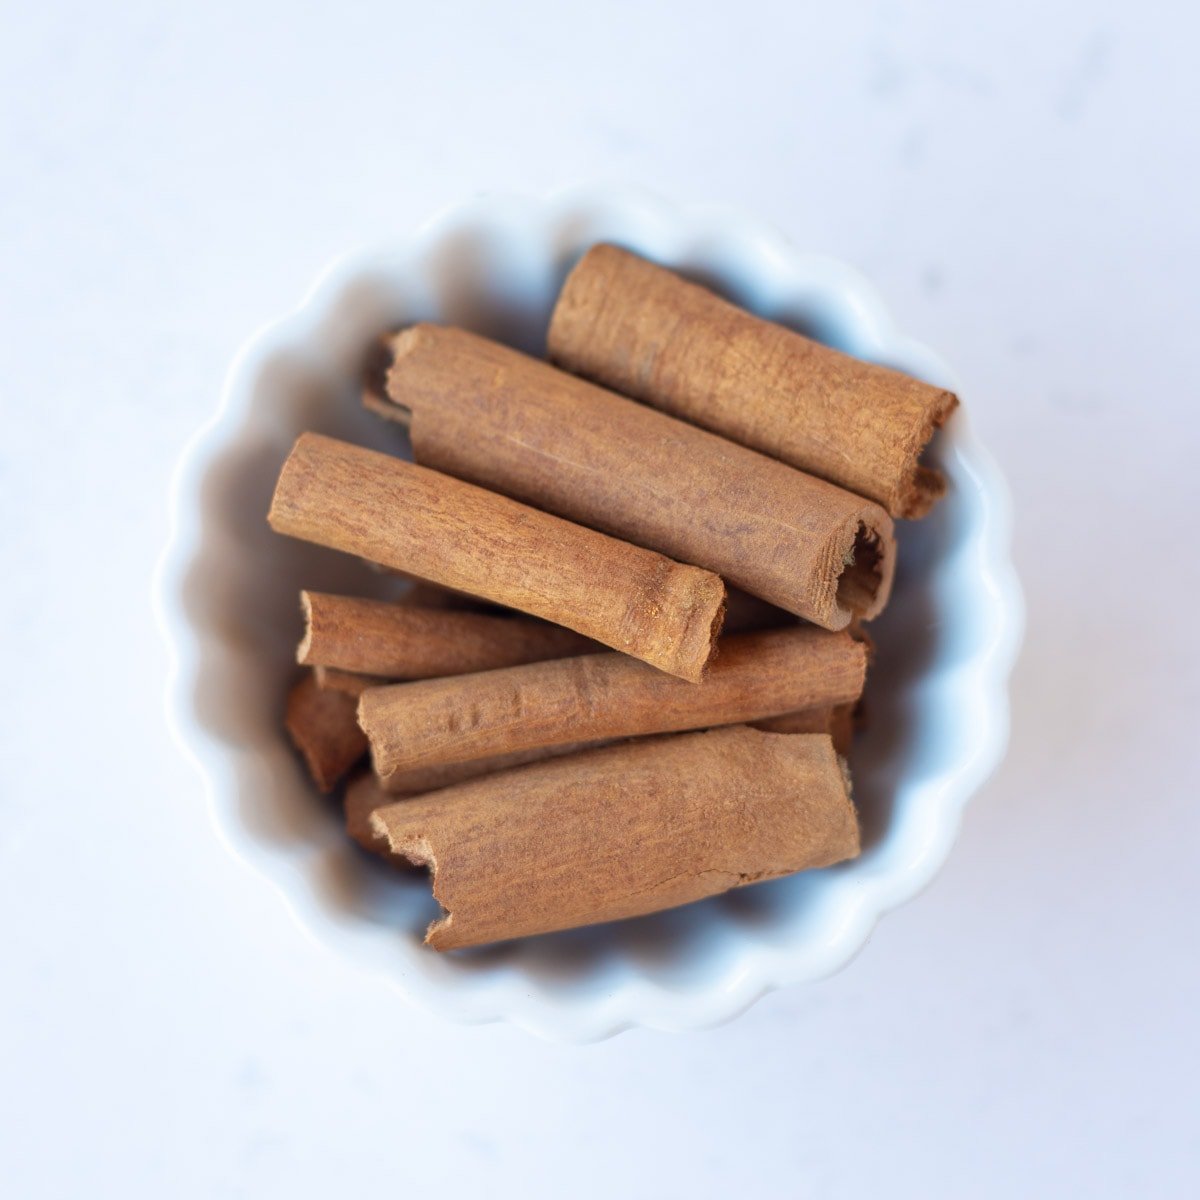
(1022, 186)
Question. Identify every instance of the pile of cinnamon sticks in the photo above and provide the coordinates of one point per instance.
(571, 718)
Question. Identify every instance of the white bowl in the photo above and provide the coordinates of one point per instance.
(227, 604)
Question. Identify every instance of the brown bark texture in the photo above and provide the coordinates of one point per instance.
(484, 412)
(461, 536)
(622, 831)
(603, 696)
(645, 331)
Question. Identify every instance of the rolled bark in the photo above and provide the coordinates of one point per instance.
(363, 796)
(745, 613)
(348, 682)
(487, 413)
(368, 792)
(845, 720)
(603, 696)
(323, 727)
(647, 332)
(421, 594)
(635, 829)
(460, 536)
(413, 781)
(836, 720)
(401, 641)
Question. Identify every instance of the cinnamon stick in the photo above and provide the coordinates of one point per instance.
(836, 720)
(428, 595)
(368, 792)
(601, 696)
(636, 828)
(323, 727)
(484, 412)
(460, 536)
(413, 781)
(348, 682)
(844, 721)
(745, 613)
(401, 641)
(363, 796)
(421, 594)
(645, 331)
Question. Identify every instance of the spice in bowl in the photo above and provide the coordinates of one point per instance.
(628, 676)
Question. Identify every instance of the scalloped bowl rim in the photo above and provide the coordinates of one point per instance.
(853, 903)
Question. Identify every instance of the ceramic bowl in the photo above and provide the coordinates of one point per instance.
(227, 602)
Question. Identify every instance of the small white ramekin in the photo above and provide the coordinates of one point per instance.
(226, 599)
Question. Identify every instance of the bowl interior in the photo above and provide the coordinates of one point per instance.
(498, 275)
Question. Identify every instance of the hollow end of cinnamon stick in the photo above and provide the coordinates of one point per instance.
(861, 590)
(922, 486)
(866, 548)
